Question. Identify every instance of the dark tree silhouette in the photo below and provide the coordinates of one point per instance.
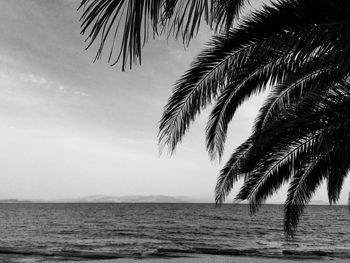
(134, 21)
(298, 49)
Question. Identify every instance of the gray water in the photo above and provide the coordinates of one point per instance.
(54, 232)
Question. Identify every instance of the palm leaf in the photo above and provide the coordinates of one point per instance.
(139, 19)
(265, 180)
(231, 172)
(215, 67)
(300, 192)
(333, 163)
(275, 69)
(225, 11)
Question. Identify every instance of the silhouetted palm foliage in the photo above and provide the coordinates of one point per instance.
(142, 18)
(299, 49)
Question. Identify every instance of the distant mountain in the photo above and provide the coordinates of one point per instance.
(129, 199)
(318, 202)
(113, 199)
(11, 201)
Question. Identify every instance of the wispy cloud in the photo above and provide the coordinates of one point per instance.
(31, 78)
(38, 81)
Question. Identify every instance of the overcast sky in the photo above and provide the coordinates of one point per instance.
(70, 127)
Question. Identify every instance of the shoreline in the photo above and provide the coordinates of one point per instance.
(287, 256)
(200, 258)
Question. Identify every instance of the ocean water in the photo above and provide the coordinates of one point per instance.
(58, 232)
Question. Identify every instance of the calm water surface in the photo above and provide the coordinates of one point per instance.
(101, 231)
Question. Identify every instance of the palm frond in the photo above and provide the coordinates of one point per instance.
(276, 169)
(217, 66)
(336, 179)
(332, 163)
(300, 192)
(195, 91)
(294, 88)
(185, 19)
(224, 12)
(233, 95)
(315, 74)
(231, 172)
(137, 20)
(283, 150)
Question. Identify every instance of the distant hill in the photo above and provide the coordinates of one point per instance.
(11, 201)
(112, 199)
(318, 202)
(130, 199)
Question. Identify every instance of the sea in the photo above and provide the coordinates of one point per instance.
(33, 232)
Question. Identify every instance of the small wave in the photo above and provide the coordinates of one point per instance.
(175, 252)
(93, 255)
(229, 252)
(66, 254)
(317, 253)
(253, 252)
(206, 250)
(24, 252)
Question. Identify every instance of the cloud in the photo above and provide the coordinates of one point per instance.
(31, 78)
(38, 81)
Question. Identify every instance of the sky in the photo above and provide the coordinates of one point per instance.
(70, 127)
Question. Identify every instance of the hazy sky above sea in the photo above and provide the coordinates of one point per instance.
(70, 127)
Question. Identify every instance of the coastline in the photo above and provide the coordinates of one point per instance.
(182, 258)
(218, 259)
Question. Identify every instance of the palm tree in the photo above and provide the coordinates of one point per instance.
(297, 49)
